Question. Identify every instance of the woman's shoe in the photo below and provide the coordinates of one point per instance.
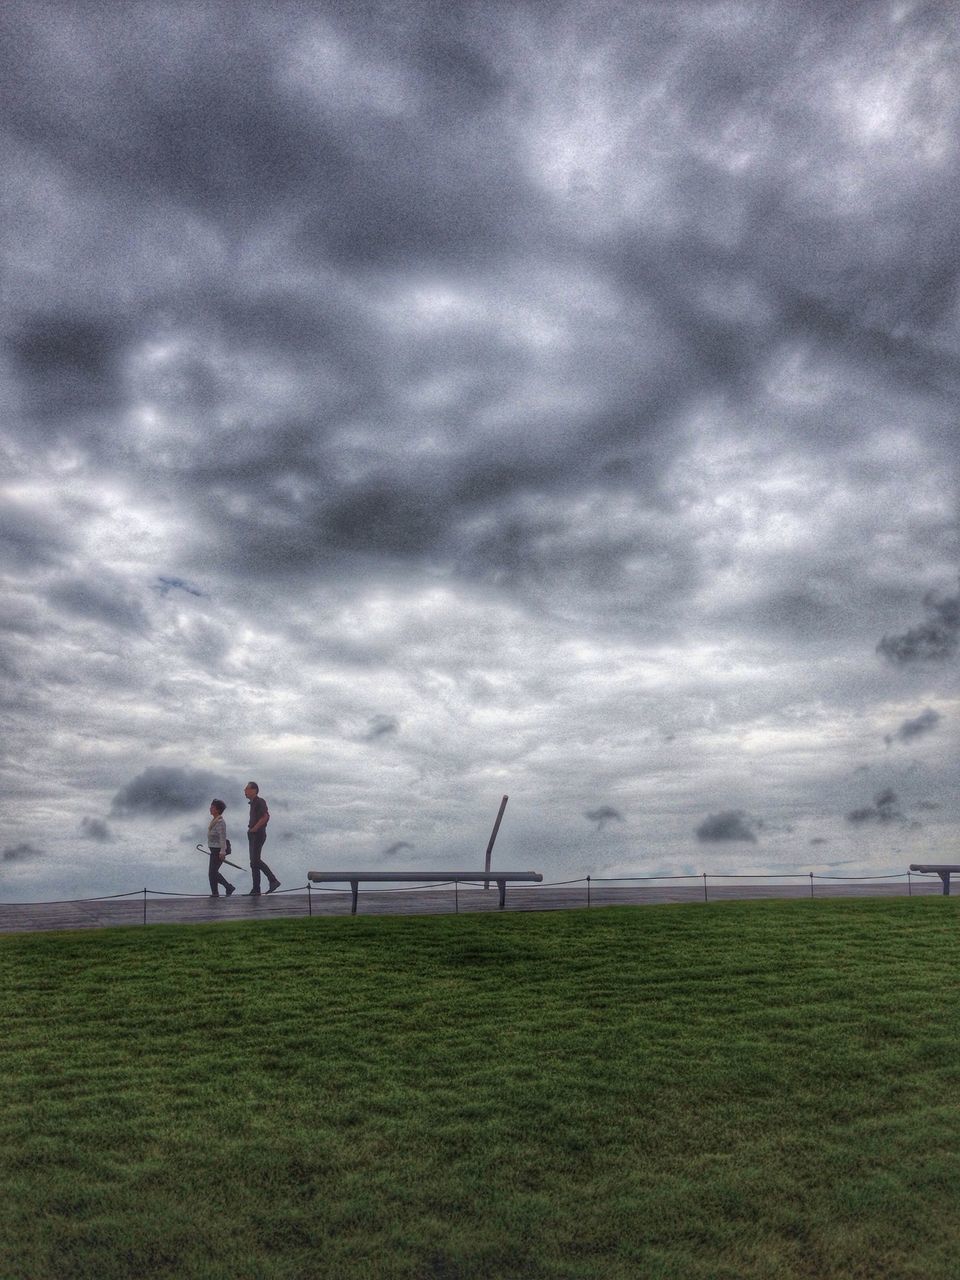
(231, 888)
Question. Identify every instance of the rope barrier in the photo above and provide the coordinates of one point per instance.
(753, 877)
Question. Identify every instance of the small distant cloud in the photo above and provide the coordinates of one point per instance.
(393, 849)
(732, 824)
(933, 640)
(925, 722)
(884, 810)
(166, 790)
(166, 585)
(21, 852)
(819, 840)
(95, 829)
(380, 726)
(604, 814)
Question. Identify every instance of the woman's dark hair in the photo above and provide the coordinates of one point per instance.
(218, 805)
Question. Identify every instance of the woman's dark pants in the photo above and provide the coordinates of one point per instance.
(214, 872)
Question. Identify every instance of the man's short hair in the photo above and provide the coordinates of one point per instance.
(254, 785)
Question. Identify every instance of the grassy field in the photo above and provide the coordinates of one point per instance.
(762, 1089)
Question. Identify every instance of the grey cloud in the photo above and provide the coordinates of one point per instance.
(24, 852)
(163, 789)
(924, 723)
(398, 847)
(30, 537)
(382, 726)
(884, 810)
(603, 814)
(96, 829)
(731, 824)
(99, 600)
(933, 640)
(166, 585)
(66, 365)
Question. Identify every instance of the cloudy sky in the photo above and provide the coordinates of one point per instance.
(405, 405)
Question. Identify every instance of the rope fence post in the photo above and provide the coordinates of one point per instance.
(309, 899)
(811, 884)
(909, 886)
(456, 897)
(705, 898)
(588, 891)
(144, 905)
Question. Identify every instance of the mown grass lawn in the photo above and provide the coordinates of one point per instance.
(761, 1089)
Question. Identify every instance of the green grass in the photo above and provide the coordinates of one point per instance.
(763, 1089)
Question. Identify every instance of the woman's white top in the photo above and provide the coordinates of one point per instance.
(217, 833)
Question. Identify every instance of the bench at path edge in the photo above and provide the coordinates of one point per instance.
(353, 878)
(943, 870)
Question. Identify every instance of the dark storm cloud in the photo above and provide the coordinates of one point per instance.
(106, 601)
(96, 829)
(24, 852)
(221, 124)
(163, 790)
(203, 124)
(731, 824)
(924, 723)
(382, 726)
(884, 810)
(933, 640)
(398, 847)
(603, 814)
(66, 365)
(166, 585)
(30, 537)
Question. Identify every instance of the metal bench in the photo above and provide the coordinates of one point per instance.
(353, 878)
(942, 869)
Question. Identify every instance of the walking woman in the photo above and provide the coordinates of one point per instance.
(217, 844)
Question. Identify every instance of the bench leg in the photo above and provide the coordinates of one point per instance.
(945, 877)
(354, 885)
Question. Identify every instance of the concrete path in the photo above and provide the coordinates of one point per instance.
(135, 910)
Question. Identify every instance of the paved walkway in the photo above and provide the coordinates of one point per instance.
(99, 913)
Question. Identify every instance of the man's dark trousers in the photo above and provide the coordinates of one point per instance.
(256, 841)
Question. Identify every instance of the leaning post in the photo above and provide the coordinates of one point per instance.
(493, 836)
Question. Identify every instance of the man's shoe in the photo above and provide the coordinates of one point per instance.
(252, 893)
(274, 887)
(231, 888)
(213, 895)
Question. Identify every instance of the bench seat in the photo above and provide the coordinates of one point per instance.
(943, 869)
(353, 878)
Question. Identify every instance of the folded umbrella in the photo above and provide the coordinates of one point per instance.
(203, 849)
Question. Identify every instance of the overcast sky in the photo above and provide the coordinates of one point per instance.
(405, 405)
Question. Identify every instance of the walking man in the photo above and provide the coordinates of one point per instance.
(256, 835)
